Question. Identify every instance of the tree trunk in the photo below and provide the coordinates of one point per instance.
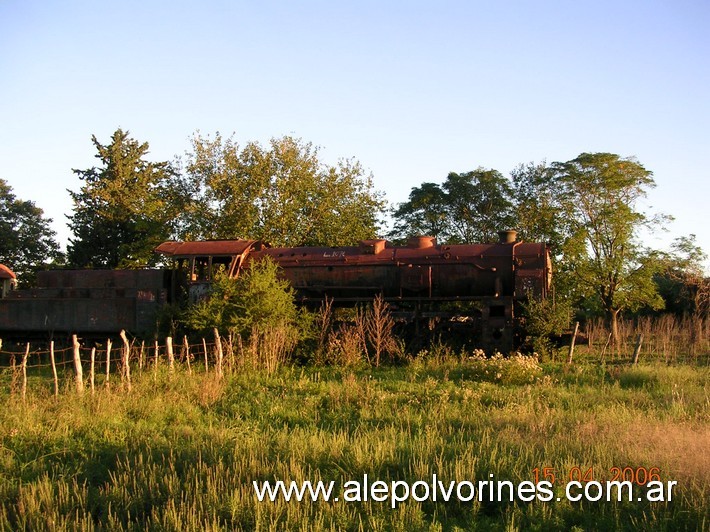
(637, 349)
(613, 317)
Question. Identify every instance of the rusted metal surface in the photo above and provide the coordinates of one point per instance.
(7, 280)
(421, 270)
(67, 315)
(456, 271)
(489, 279)
(198, 262)
(6, 273)
(206, 248)
(97, 279)
(85, 301)
(507, 237)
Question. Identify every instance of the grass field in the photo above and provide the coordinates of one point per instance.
(180, 452)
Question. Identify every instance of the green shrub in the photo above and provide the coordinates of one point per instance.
(257, 299)
(544, 319)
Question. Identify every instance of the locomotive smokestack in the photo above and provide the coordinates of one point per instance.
(507, 237)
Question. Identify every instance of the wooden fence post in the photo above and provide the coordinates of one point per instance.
(108, 361)
(77, 365)
(637, 350)
(220, 354)
(140, 357)
(54, 368)
(186, 346)
(155, 365)
(571, 344)
(126, 373)
(92, 375)
(207, 365)
(24, 372)
(171, 355)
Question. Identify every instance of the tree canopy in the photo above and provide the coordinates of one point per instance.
(682, 281)
(27, 243)
(538, 206)
(425, 213)
(125, 207)
(468, 207)
(283, 194)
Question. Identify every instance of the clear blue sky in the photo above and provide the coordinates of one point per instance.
(413, 90)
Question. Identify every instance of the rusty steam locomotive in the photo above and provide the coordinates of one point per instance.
(481, 285)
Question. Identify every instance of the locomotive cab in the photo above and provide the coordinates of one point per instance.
(8, 281)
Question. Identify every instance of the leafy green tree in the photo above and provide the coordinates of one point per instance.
(538, 205)
(480, 205)
(27, 243)
(283, 194)
(425, 213)
(125, 207)
(682, 282)
(538, 198)
(468, 207)
(600, 193)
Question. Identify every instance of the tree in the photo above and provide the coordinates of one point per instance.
(27, 243)
(468, 207)
(480, 205)
(682, 282)
(538, 198)
(425, 213)
(125, 208)
(283, 194)
(538, 206)
(600, 192)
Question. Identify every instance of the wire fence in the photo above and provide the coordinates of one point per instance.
(113, 358)
(41, 358)
(664, 339)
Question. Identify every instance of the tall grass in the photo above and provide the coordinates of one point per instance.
(180, 451)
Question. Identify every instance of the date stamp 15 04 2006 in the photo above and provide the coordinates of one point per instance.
(581, 483)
